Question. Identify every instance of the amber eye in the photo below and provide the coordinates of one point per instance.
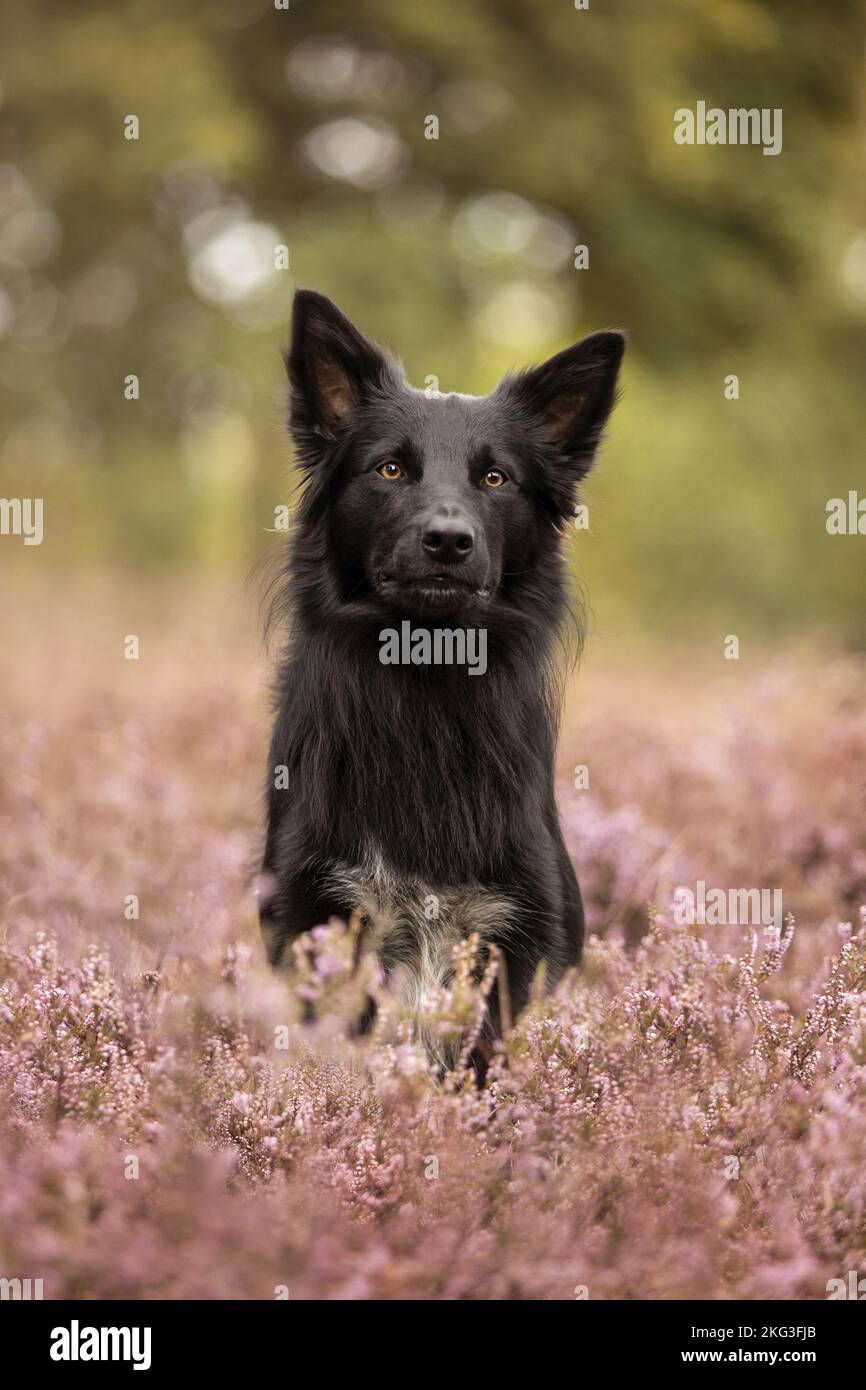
(493, 478)
(390, 470)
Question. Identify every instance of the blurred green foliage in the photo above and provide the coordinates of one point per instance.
(307, 126)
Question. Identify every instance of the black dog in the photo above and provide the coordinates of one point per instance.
(411, 796)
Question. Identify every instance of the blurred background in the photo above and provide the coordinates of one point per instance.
(308, 128)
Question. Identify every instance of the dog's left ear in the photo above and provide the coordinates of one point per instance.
(331, 366)
(571, 395)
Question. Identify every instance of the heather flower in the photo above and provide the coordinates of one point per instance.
(684, 1117)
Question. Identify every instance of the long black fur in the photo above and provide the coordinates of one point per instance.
(449, 777)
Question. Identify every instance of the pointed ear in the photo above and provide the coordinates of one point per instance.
(572, 394)
(331, 367)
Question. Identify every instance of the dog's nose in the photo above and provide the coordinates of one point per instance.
(448, 542)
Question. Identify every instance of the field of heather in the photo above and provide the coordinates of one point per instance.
(685, 1119)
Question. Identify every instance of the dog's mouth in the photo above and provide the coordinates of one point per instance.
(438, 591)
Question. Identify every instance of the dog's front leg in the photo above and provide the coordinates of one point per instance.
(291, 903)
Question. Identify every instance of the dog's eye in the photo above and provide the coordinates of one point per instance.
(494, 477)
(390, 470)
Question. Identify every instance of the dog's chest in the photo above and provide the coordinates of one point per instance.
(414, 927)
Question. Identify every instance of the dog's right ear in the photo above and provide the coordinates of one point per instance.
(331, 368)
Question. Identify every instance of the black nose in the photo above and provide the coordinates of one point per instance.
(448, 542)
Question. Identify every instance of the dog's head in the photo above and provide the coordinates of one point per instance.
(439, 504)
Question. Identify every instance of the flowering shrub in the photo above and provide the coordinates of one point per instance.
(684, 1118)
